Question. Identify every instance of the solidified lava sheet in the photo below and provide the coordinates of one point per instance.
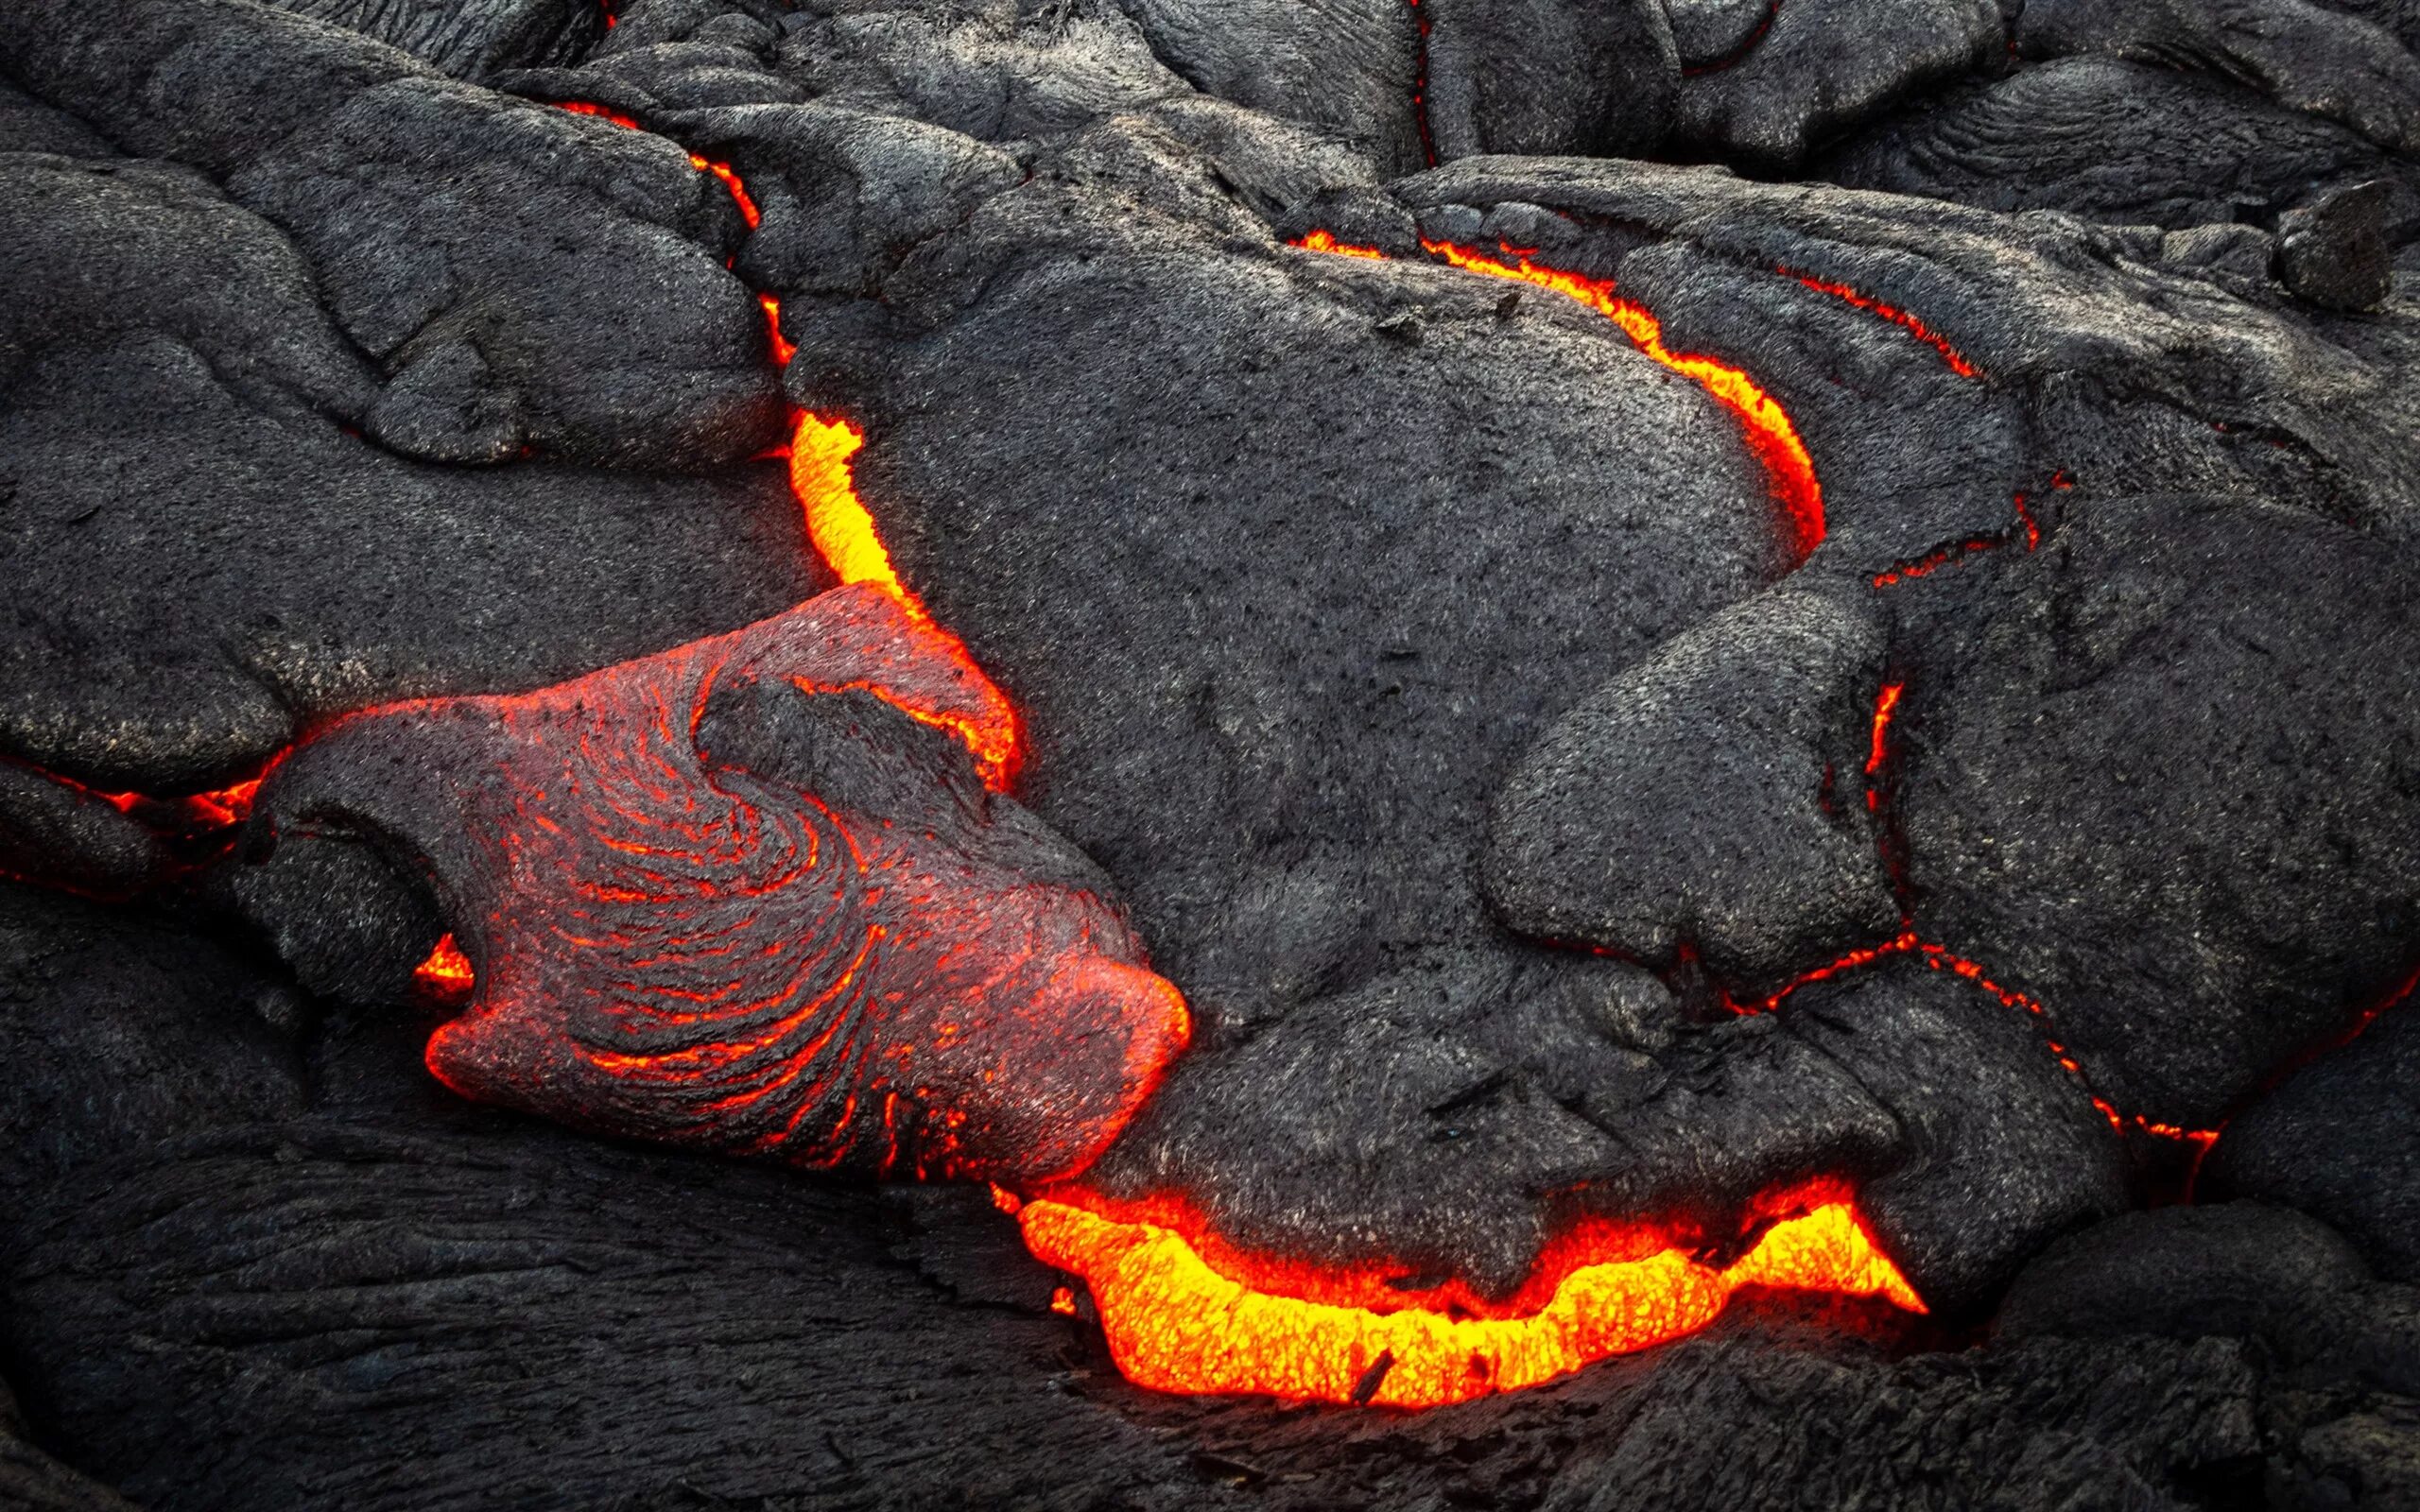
(1209, 753)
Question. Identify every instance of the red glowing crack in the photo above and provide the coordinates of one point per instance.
(1766, 427)
(721, 171)
(1903, 319)
(1420, 83)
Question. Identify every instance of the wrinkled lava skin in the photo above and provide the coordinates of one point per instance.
(741, 896)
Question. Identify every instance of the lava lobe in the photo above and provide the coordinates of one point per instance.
(750, 896)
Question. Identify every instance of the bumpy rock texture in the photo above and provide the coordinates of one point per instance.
(1434, 665)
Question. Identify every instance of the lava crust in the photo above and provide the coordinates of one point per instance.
(1230, 753)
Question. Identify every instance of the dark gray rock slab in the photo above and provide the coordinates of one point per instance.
(1824, 66)
(1348, 68)
(2126, 142)
(121, 1031)
(2337, 1139)
(2174, 692)
(468, 38)
(438, 218)
(1549, 76)
(2310, 58)
(1712, 798)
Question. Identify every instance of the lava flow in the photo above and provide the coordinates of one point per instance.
(1176, 1322)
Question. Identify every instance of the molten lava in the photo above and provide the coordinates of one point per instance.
(843, 531)
(1770, 434)
(446, 976)
(1183, 1312)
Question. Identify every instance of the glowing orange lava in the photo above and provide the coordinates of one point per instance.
(843, 534)
(1321, 241)
(1182, 1314)
(445, 977)
(783, 350)
(1769, 433)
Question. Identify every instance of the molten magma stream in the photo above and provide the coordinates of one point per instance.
(1175, 1322)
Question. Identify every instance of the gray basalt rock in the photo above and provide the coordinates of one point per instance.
(2126, 142)
(998, 71)
(2334, 251)
(2306, 57)
(206, 557)
(2235, 1269)
(1711, 800)
(1347, 68)
(2336, 1139)
(435, 216)
(468, 40)
(1549, 76)
(1824, 66)
(75, 838)
(277, 571)
(122, 1032)
(1996, 1147)
(2102, 724)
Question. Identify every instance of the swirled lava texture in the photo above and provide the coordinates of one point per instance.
(1184, 1313)
(751, 896)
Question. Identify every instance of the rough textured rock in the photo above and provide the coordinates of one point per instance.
(1709, 800)
(2334, 250)
(2336, 1139)
(2177, 638)
(277, 570)
(434, 217)
(2119, 142)
(1381, 632)
(2306, 57)
(121, 1032)
(1823, 66)
(1549, 76)
(468, 40)
(1347, 67)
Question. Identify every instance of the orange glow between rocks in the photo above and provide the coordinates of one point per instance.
(1903, 321)
(1769, 433)
(445, 977)
(843, 531)
(1184, 1313)
(738, 191)
(1321, 241)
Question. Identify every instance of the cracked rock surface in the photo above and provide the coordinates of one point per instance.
(1419, 660)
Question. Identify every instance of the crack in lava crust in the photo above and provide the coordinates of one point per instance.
(1765, 425)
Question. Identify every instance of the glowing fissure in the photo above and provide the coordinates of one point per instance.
(445, 977)
(1184, 1313)
(1790, 470)
(1940, 957)
(721, 171)
(1903, 321)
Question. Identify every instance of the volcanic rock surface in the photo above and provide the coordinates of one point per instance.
(1415, 631)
